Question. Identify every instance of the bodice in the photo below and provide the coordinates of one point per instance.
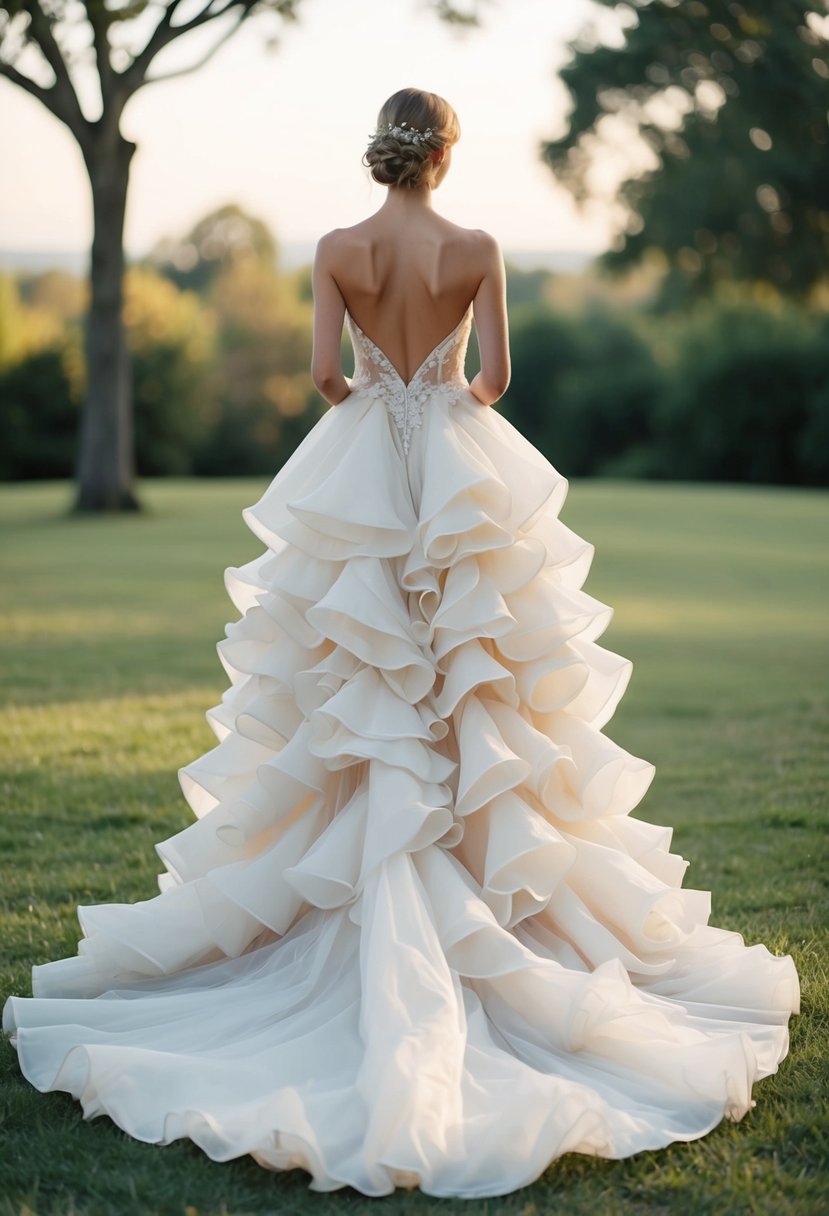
(440, 374)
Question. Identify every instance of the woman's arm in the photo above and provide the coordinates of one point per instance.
(329, 312)
(489, 308)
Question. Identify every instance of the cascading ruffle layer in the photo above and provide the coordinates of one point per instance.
(413, 935)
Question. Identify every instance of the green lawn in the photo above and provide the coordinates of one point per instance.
(108, 664)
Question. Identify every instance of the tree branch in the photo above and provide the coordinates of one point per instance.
(155, 42)
(165, 33)
(43, 95)
(97, 17)
(65, 103)
(193, 67)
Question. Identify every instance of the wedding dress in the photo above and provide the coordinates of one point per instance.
(413, 936)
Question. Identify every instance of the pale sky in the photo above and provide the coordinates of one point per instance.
(282, 132)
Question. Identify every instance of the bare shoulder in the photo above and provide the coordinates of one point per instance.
(360, 231)
(475, 244)
(329, 243)
(472, 237)
(340, 245)
(486, 246)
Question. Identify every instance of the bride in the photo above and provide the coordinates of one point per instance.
(413, 935)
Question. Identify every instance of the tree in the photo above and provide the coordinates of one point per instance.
(730, 101)
(107, 31)
(745, 397)
(215, 243)
(171, 338)
(105, 465)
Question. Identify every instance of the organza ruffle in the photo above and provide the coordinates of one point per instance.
(413, 935)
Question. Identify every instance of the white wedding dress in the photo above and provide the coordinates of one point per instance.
(413, 936)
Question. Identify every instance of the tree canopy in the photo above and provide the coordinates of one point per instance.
(215, 242)
(730, 100)
(120, 37)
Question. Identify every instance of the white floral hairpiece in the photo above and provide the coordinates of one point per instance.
(405, 133)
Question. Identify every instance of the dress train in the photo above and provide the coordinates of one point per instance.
(413, 935)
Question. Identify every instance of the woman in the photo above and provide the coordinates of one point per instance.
(414, 936)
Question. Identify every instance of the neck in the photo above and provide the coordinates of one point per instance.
(408, 201)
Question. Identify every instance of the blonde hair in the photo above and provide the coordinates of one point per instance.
(394, 161)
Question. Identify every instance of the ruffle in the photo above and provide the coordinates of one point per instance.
(412, 860)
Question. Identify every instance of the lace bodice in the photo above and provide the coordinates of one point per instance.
(441, 372)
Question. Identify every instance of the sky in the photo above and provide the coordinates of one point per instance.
(281, 132)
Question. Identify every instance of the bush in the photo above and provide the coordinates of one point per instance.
(170, 335)
(251, 439)
(544, 348)
(735, 389)
(743, 398)
(38, 418)
(732, 391)
(583, 388)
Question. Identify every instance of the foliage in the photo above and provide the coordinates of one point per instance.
(26, 325)
(214, 244)
(729, 100)
(221, 379)
(584, 386)
(526, 286)
(170, 337)
(542, 344)
(265, 400)
(122, 42)
(746, 398)
(735, 389)
(109, 662)
(117, 40)
(253, 438)
(38, 418)
(56, 295)
(39, 389)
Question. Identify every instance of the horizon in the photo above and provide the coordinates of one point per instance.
(291, 255)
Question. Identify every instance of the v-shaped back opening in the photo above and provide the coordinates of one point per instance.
(423, 361)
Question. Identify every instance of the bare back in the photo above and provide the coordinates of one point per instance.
(407, 277)
(407, 289)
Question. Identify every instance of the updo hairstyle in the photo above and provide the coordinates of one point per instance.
(395, 160)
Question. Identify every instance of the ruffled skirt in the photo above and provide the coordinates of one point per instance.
(413, 936)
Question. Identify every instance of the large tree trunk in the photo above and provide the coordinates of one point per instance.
(105, 469)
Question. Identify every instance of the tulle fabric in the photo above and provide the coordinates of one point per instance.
(413, 935)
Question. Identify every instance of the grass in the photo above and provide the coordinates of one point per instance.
(108, 664)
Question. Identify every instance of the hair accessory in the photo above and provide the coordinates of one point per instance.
(409, 135)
